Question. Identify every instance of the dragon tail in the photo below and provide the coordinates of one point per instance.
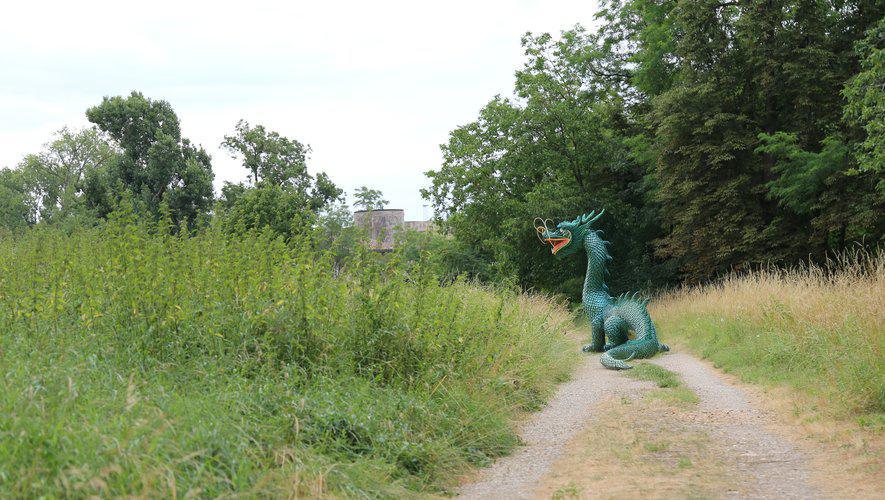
(616, 358)
(615, 364)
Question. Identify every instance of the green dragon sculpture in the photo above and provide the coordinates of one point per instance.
(610, 317)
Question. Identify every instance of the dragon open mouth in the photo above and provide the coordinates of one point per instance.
(558, 243)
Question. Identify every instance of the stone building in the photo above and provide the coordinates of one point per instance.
(382, 225)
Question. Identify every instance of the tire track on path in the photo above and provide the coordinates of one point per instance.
(736, 424)
(546, 433)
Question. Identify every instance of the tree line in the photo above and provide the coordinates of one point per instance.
(718, 135)
(134, 154)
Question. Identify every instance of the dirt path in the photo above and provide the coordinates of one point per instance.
(722, 439)
(547, 432)
(728, 413)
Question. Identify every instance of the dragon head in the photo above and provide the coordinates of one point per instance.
(568, 236)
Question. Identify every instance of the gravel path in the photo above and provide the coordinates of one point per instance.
(547, 432)
(726, 412)
(730, 415)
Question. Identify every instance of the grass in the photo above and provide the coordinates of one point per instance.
(670, 387)
(137, 363)
(662, 377)
(818, 330)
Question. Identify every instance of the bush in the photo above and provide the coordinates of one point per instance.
(135, 362)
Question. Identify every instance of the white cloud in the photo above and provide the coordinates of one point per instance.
(373, 87)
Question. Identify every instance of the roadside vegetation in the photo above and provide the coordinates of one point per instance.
(139, 362)
(817, 329)
(162, 339)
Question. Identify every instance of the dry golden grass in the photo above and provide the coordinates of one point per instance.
(850, 288)
(817, 329)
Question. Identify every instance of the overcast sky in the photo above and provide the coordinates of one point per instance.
(373, 87)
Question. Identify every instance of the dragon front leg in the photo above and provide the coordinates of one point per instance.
(597, 338)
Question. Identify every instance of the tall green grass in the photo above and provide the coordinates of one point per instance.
(138, 363)
(817, 329)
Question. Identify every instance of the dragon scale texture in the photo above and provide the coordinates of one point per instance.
(610, 317)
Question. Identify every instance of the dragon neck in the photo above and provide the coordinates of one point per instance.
(597, 258)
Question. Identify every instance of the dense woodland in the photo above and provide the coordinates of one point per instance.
(717, 135)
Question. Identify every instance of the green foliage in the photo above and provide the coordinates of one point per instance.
(449, 258)
(562, 147)
(54, 177)
(16, 207)
(802, 174)
(137, 362)
(158, 165)
(369, 199)
(865, 95)
(282, 210)
(335, 232)
(714, 133)
(742, 75)
(281, 195)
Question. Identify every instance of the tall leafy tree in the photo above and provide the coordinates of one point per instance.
(158, 166)
(559, 148)
(17, 210)
(54, 177)
(369, 199)
(267, 155)
(280, 193)
(865, 106)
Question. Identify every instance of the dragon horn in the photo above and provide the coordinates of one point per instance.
(587, 220)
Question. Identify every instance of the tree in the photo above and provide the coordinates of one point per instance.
(336, 233)
(17, 210)
(865, 106)
(369, 199)
(559, 148)
(714, 133)
(280, 193)
(747, 76)
(158, 165)
(54, 177)
(267, 206)
(268, 156)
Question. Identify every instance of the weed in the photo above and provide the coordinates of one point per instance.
(135, 363)
(570, 491)
(817, 329)
(661, 376)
